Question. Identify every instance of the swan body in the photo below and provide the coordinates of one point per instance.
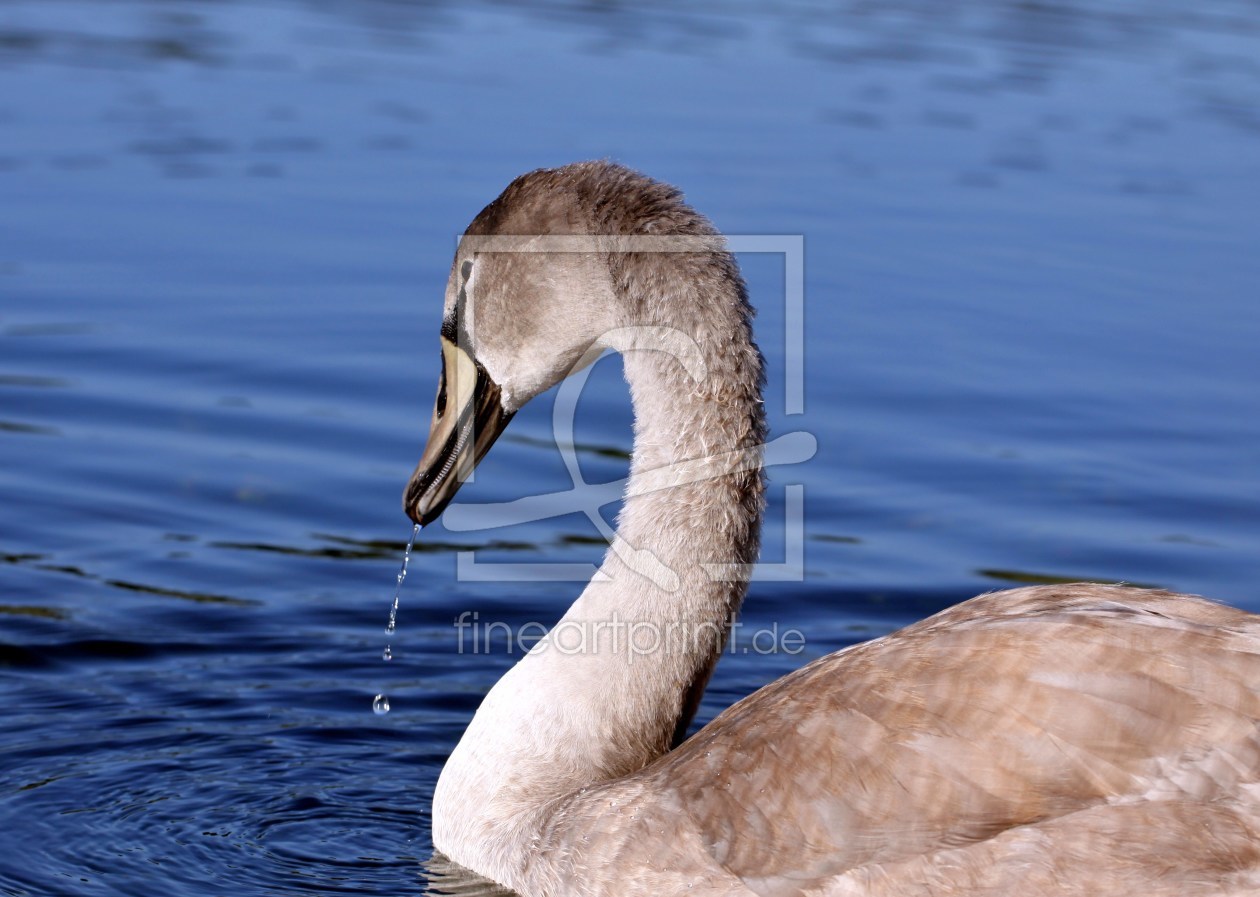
(1080, 739)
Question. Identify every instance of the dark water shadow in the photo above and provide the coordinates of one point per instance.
(445, 878)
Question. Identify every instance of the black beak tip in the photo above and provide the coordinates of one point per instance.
(412, 514)
(411, 503)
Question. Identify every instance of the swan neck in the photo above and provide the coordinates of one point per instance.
(615, 683)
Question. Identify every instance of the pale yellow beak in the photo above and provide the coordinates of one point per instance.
(467, 418)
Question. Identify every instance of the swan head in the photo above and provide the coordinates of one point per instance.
(523, 310)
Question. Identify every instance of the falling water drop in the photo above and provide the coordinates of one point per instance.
(402, 574)
(380, 704)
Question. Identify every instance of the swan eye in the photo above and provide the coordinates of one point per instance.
(465, 272)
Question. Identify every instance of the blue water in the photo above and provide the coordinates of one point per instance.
(1030, 352)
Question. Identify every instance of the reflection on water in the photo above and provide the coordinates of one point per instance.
(447, 879)
(226, 226)
(1021, 577)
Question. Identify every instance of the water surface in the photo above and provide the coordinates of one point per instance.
(1030, 354)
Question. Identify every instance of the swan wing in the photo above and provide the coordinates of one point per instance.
(1033, 741)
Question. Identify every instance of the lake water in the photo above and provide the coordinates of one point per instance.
(1031, 268)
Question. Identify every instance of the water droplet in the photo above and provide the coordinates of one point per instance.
(402, 574)
(380, 704)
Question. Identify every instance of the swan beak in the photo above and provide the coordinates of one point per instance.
(467, 418)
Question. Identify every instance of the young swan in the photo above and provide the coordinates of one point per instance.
(1078, 739)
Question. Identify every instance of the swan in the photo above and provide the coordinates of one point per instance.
(1068, 739)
